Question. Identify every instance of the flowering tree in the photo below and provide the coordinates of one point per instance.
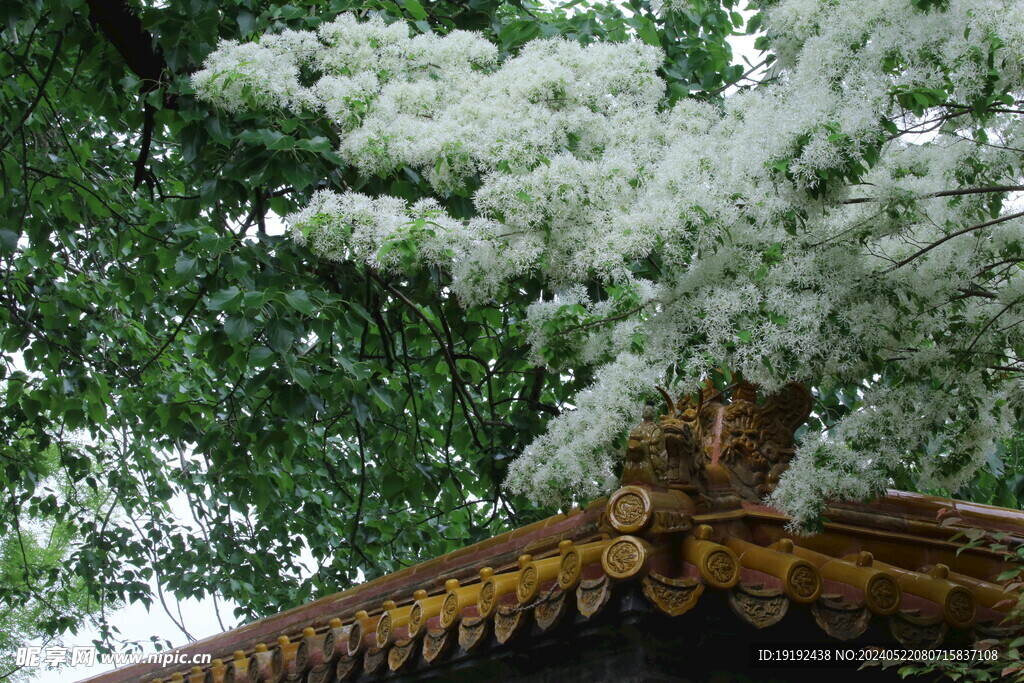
(521, 242)
(267, 426)
(850, 223)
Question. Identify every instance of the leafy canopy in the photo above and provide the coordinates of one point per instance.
(284, 402)
(39, 595)
(853, 224)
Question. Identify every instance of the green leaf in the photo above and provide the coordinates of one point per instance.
(260, 356)
(8, 240)
(280, 335)
(225, 299)
(302, 376)
(186, 266)
(238, 328)
(298, 176)
(246, 23)
(281, 142)
(648, 32)
(415, 9)
(299, 300)
(361, 410)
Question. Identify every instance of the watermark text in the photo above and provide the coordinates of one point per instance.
(87, 655)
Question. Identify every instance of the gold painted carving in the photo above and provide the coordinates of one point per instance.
(374, 660)
(804, 582)
(415, 618)
(841, 620)
(962, 606)
(674, 597)
(277, 657)
(302, 659)
(916, 632)
(449, 610)
(721, 566)
(384, 630)
(323, 674)
(347, 666)
(355, 638)
(754, 442)
(576, 560)
(548, 612)
(238, 668)
(718, 565)
(669, 521)
(669, 452)
(646, 460)
(569, 572)
(757, 606)
(882, 594)
(741, 425)
(592, 595)
(436, 643)
(527, 586)
(216, 672)
(399, 654)
(629, 509)
(260, 664)
(472, 632)
(337, 638)
(684, 439)
(625, 557)
(507, 623)
(485, 602)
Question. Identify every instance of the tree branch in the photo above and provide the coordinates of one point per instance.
(148, 113)
(979, 226)
(40, 92)
(122, 27)
(602, 321)
(458, 383)
(949, 193)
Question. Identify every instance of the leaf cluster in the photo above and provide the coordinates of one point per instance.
(288, 406)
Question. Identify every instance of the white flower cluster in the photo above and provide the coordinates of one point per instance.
(576, 455)
(804, 231)
(954, 424)
(599, 341)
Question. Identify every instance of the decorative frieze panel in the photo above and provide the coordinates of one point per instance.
(674, 597)
(592, 595)
(550, 611)
(760, 607)
(843, 621)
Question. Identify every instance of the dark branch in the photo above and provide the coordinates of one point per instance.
(979, 226)
(149, 111)
(123, 28)
(949, 193)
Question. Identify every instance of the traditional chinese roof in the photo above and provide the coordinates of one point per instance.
(684, 535)
(890, 563)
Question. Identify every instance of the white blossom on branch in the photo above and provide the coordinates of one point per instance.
(850, 223)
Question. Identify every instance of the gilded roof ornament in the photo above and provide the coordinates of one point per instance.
(748, 444)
